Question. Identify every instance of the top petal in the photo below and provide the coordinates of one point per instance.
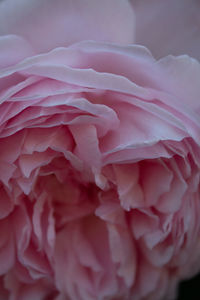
(48, 24)
(168, 27)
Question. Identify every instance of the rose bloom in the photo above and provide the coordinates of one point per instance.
(99, 157)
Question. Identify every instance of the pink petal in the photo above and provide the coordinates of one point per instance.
(172, 199)
(7, 247)
(13, 49)
(28, 163)
(123, 252)
(151, 173)
(39, 290)
(8, 153)
(6, 203)
(87, 147)
(148, 277)
(130, 192)
(142, 222)
(160, 255)
(6, 172)
(49, 24)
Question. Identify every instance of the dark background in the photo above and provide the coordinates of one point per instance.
(190, 289)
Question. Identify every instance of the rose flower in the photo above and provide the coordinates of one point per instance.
(99, 168)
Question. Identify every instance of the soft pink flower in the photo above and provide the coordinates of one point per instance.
(99, 164)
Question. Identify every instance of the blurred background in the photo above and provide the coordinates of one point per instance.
(190, 289)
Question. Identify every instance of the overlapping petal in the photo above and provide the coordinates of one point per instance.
(103, 182)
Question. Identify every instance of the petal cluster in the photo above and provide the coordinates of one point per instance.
(99, 173)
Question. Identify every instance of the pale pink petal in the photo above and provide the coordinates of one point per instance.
(13, 49)
(22, 236)
(24, 183)
(121, 245)
(47, 24)
(148, 278)
(171, 200)
(123, 253)
(160, 255)
(11, 87)
(28, 163)
(44, 225)
(151, 173)
(110, 210)
(38, 140)
(142, 222)
(129, 191)
(28, 255)
(86, 140)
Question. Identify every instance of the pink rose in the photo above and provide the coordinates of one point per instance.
(99, 159)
